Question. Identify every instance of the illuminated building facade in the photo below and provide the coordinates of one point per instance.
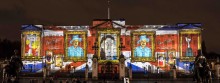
(149, 48)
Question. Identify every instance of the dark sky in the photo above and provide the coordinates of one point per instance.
(13, 13)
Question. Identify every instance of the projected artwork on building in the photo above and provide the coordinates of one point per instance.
(58, 60)
(171, 56)
(142, 50)
(108, 43)
(161, 59)
(145, 48)
(189, 41)
(49, 57)
(31, 44)
(75, 45)
(53, 41)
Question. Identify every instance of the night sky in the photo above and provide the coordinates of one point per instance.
(14, 13)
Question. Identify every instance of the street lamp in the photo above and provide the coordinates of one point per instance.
(174, 69)
(174, 65)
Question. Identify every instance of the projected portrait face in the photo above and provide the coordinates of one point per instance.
(108, 46)
(75, 45)
(108, 43)
(142, 50)
(75, 50)
(142, 45)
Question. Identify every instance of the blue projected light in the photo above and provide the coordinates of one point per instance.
(32, 67)
(30, 27)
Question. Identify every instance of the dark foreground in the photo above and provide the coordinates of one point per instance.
(66, 80)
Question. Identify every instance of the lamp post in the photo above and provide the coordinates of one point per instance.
(122, 61)
(130, 71)
(95, 47)
(121, 45)
(174, 69)
(95, 61)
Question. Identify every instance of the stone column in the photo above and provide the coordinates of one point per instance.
(121, 68)
(174, 69)
(95, 69)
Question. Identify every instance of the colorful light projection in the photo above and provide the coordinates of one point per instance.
(75, 42)
(108, 41)
(167, 42)
(58, 60)
(53, 41)
(31, 44)
(161, 59)
(166, 45)
(190, 43)
(142, 46)
(171, 56)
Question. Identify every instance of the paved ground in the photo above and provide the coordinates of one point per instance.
(38, 79)
(64, 80)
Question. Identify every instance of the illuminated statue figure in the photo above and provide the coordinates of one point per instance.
(189, 49)
(142, 50)
(75, 50)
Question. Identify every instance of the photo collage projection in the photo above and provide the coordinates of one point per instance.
(53, 47)
(31, 44)
(62, 47)
(166, 48)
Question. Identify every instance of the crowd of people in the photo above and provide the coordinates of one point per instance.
(52, 80)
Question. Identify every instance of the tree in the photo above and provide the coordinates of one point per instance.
(204, 51)
(7, 48)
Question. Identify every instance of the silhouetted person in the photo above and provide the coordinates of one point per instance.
(73, 80)
(67, 81)
(78, 81)
(200, 63)
(51, 80)
(31, 81)
(16, 61)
